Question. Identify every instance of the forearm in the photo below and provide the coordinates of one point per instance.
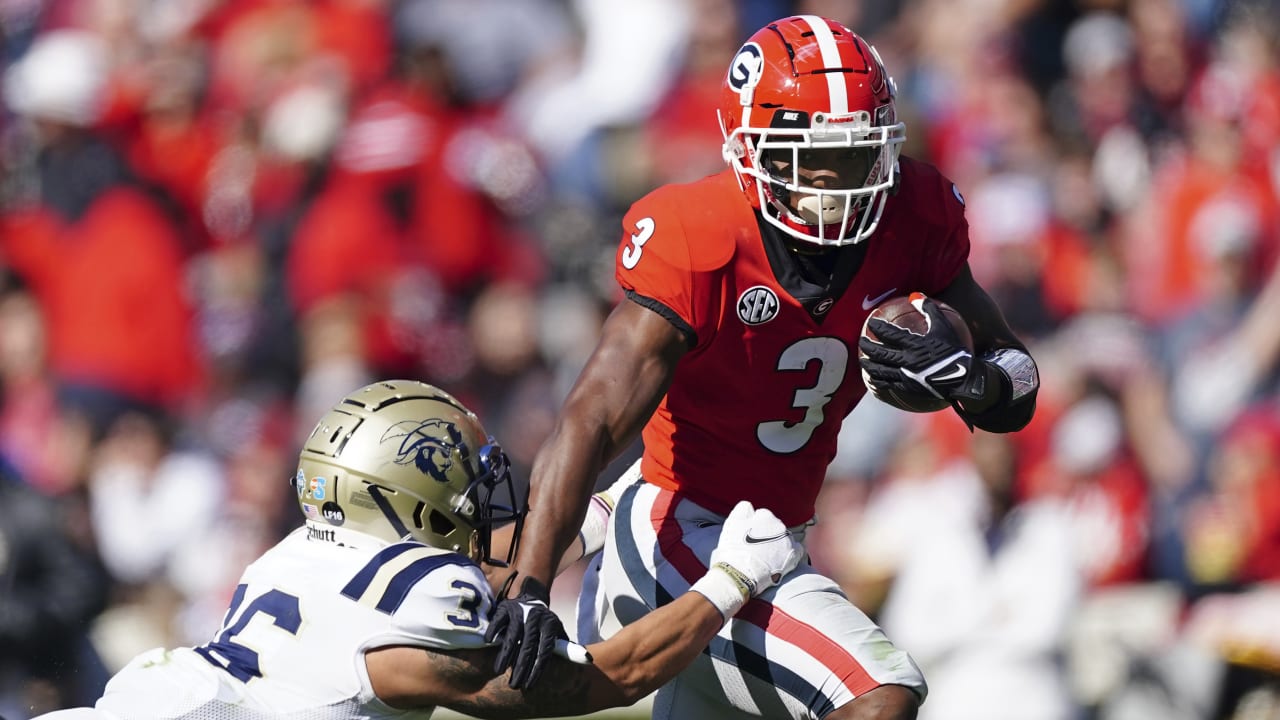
(641, 658)
(646, 654)
(621, 385)
(501, 540)
(755, 551)
(564, 474)
(630, 665)
(1012, 380)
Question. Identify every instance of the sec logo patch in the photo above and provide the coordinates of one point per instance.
(757, 305)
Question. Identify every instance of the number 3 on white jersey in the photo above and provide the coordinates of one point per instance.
(631, 253)
(783, 437)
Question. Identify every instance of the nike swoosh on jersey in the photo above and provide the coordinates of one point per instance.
(869, 302)
(751, 539)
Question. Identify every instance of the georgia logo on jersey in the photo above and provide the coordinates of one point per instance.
(757, 305)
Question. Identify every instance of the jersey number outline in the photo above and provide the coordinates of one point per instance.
(241, 661)
(784, 437)
(631, 254)
(468, 614)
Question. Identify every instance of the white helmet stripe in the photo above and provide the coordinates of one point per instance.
(830, 59)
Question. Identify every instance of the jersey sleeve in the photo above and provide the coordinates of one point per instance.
(653, 264)
(436, 599)
(448, 608)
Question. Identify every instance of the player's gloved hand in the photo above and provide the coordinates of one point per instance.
(936, 363)
(528, 632)
(754, 552)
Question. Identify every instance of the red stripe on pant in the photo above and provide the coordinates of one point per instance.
(757, 612)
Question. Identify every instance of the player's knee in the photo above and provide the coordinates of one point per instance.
(887, 702)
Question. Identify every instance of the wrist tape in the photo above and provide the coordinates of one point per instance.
(726, 587)
(1018, 367)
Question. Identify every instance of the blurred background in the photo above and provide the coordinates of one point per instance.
(217, 217)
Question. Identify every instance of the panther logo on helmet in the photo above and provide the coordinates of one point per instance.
(429, 445)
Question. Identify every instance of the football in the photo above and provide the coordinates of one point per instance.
(901, 312)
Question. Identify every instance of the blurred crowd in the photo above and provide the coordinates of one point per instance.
(217, 217)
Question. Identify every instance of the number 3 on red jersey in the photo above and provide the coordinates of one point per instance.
(783, 437)
(778, 436)
(631, 253)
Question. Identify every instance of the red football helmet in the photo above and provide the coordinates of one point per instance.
(809, 124)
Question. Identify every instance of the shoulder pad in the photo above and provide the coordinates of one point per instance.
(932, 195)
(690, 226)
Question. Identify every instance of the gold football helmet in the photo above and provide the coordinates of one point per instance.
(402, 459)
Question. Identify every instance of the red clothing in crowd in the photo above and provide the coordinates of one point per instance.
(111, 287)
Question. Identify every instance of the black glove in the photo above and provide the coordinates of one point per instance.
(528, 631)
(936, 363)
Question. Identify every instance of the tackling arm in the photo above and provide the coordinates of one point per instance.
(753, 553)
(632, 664)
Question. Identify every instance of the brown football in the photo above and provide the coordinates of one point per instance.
(901, 312)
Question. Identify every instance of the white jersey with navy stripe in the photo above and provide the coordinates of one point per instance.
(799, 650)
(293, 640)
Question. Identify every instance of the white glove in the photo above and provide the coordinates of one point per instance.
(754, 552)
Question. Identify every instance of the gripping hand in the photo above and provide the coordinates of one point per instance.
(528, 632)
(936, 362)
(754, 552)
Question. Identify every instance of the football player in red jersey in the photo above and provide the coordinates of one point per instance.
(735, 354)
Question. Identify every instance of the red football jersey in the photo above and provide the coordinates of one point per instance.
(755, 407)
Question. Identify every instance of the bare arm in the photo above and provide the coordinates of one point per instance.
(754, 551)
(617, 391)
(986, 323)
(501, 540)
(638, 660)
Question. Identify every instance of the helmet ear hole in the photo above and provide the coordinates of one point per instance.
(440, 525)
(417, 515)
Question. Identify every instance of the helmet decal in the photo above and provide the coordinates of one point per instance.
(429, 445)
(744, 71)
(830, 53)
(332, 512)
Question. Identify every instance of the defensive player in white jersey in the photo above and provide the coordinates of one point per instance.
(377, 607)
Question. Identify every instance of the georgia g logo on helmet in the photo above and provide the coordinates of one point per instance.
(429, 445)
(744, 71)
